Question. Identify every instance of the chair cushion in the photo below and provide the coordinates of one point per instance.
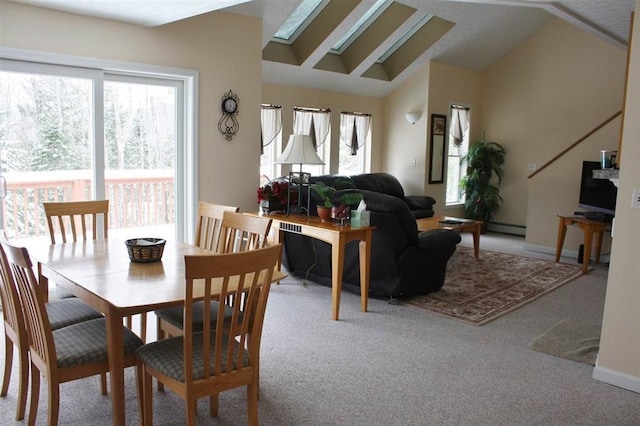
(65, 312)
(174, 315)
(63, 293)
(167, 356)
(86, 342)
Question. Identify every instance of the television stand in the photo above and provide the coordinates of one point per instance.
(589, 227)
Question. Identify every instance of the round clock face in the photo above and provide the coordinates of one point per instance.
(229, 105)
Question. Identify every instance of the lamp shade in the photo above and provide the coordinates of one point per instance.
(413, 116)
(299, 150)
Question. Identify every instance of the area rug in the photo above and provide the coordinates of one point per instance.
(570, 339)
(477, 291)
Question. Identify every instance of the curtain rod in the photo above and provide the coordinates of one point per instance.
(270, 106)
(358, 114)
(311, 109)
(460, 107)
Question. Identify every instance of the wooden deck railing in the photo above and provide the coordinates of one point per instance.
(136, 198)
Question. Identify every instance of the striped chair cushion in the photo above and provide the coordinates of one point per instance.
(86, 342)
(63, 293)
(167, 356)
(65, 312)
(174, 315)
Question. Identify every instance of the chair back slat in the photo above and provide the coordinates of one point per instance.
(73, 217)
(241, 232)
(242, 278)
(10, 299)
(37, 322)
(208, 226)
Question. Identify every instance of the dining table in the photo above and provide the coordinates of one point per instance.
(101, 273)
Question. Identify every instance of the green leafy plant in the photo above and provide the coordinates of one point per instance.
(326, 192)
(481, 185)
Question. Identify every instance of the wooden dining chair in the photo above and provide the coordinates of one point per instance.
(221, 356)
(71, 218)
(78, 220)
(238, 232)
(209, 222)
(68, 353)
(61, 313)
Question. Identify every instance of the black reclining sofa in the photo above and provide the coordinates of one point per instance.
(403, 261)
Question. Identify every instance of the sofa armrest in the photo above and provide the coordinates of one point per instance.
(419, 202)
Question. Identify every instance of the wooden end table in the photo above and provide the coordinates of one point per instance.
(590, 228)
(455, 224)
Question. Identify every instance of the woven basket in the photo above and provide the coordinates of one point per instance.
(145, 249)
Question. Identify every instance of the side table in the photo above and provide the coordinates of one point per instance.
(589, 227)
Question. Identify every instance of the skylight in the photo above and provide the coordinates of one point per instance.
(299, 19)
(426, 18)
(362, 24)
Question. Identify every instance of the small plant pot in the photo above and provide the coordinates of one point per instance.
(324, 213)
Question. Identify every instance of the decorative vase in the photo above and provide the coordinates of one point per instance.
(341, 214)
(324, 213)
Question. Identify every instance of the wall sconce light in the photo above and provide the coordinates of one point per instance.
(413, 116)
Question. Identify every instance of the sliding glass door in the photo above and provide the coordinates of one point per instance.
(71, 133)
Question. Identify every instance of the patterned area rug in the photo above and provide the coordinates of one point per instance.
(477, 291)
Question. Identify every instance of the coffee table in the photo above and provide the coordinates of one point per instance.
(455, 224)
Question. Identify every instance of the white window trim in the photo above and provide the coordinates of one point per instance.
(186, 164)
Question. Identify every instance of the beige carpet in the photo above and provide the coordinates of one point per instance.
(477, 291)
(570, 339)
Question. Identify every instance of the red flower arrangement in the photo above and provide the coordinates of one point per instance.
(274, 191)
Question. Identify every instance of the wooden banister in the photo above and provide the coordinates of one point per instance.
(573, 145)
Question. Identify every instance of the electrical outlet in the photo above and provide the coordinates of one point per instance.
(413, 162)
(532, 167)
(635, 201)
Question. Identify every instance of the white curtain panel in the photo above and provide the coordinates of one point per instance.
(321, 123)
(362, 125)
(271, 119)
(459, 125)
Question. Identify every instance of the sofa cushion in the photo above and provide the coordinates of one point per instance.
(379, 182)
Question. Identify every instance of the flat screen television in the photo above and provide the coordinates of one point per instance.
(597, 196)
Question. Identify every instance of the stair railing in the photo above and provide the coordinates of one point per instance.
(576, 143)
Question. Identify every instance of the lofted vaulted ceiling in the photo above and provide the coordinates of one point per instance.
(392, 44)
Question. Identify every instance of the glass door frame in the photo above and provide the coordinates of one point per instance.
(186, 165)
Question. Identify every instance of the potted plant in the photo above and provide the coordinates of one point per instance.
(273, 196)
(326, 192)
(481, 185)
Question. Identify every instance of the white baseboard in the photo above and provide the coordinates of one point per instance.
(604, 257)
(615, 378)
(505, 228)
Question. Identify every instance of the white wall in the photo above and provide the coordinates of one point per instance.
(619, 359)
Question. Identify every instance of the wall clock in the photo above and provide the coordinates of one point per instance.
(228, 124)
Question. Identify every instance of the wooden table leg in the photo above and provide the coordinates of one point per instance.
(476, 240)
(365, 267)
(599, 245)
(586, 256)
(562, 232)
(115, 341)
(337, 262)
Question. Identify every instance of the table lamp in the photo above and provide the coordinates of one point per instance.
(299, 150)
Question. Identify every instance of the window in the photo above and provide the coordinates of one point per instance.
(317, 124)
(270, 141)
(457, 149)
(355, 138)
(362, 24)
(299, 19)
(76, 132)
